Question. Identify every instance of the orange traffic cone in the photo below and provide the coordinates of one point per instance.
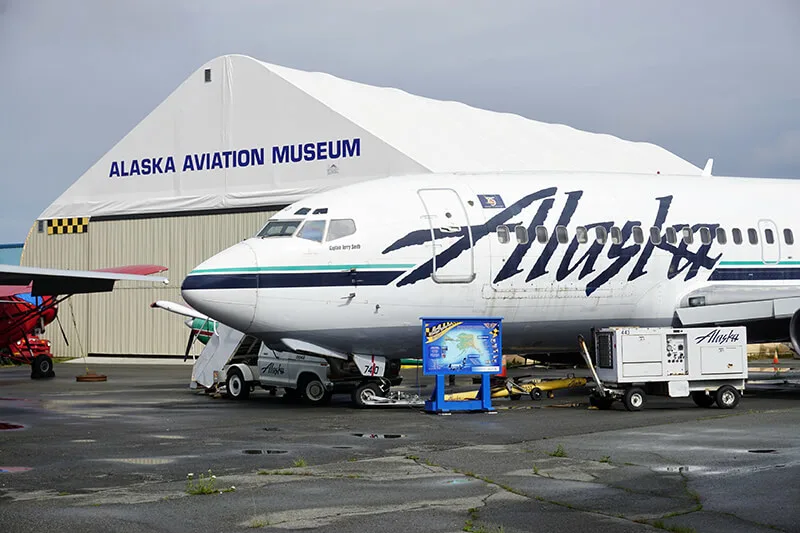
(775, 361)
(502, 373)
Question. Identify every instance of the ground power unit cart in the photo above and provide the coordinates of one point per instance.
(708, 364)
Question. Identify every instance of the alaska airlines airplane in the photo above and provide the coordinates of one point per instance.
(555, 254)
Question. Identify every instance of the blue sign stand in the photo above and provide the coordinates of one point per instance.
(461, 346)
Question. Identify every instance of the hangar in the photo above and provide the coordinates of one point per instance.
(240, 139)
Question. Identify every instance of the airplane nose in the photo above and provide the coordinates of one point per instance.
(224, 287)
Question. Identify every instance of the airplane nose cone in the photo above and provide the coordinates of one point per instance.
(224, 287)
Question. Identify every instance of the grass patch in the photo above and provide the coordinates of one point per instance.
(558, 452)
(203, 484)
(256, 523)
(299, 463)
(605, 459)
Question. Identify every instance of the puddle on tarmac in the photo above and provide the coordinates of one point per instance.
(763, 451)
(13, 469)
(378, 435)
(8, 426)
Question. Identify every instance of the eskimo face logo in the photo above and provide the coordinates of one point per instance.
(619, 253)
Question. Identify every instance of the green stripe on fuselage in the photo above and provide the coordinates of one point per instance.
(294, 268)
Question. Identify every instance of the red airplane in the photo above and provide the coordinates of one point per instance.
(23, 319)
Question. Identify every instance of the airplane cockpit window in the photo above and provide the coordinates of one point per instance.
(787, 236)
(313, 230)
(340, 228)
(721, 237)
(541, 234)
(671, 236)
(600, 234)
(638, 235)
(302, 211)
(769, 236)
(616, 235)
(688, 235)
(752, 236)
(705, 235)
(320, 211)
(503, 234)
(582, 234)
(521, 233)
(737, 235)
(655, 235)
(562, 234)
(279, 228)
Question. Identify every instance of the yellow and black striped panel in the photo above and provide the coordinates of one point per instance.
(61, 226)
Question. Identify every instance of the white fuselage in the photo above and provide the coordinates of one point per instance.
(448, 246)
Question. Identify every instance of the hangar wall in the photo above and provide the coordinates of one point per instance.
(120, 322)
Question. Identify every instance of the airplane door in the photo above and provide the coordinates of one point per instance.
(770, 245)
(449, 222)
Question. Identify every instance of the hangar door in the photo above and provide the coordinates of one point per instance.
(451, 236)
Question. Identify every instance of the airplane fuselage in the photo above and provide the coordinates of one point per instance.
(553, 254)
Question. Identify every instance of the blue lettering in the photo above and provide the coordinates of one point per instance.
(114, 169)
(122, 169)
(297, 157)
(352, 150)
(156, 165)
(280, 154)
(308, 152)
(187, 163)
(216, 161)
(170, 166)
(145, 166)
(321, 149)
(334, 154)
(227, 154)
(257, 156)
(243, 158)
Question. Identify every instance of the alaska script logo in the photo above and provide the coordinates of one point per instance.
(273, 369)
(717, 337)
(683, 259)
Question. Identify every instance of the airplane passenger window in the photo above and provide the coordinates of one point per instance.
(721, 237)
(541, 234)
(638, 235)
(787, 236)
(279, 228)
(312, 230)
(705, 235)
(522, 234)
(600, 234)
(582, 235)
(769, 236)
(340, 228)
(688, 235)
(562, 234)
(655, 235)
(672, 237)
(616, 235)
(752, 236)
(502, 234)
(737, 235)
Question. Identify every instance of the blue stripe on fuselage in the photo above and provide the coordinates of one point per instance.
(754, 274)
(289, 280)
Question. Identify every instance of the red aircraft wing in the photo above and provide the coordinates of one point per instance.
(53, 282)
(12, 290)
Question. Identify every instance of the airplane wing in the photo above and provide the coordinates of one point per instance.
(13, 290)
(729, 304)
(178, 309)
(53, 282)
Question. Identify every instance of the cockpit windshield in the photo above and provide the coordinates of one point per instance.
(279, 228)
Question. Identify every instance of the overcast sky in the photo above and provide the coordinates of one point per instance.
(703, 79)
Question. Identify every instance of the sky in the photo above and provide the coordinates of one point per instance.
(717, 78)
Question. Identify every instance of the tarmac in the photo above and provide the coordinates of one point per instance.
(117, 456)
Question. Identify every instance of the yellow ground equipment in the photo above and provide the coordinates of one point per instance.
(514, 389)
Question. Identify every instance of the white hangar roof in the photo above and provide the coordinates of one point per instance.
(242, 133)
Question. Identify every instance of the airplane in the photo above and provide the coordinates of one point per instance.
(555, 254)
(29, 299)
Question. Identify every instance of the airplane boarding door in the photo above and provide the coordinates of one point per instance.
(449, 224)
(770, 247)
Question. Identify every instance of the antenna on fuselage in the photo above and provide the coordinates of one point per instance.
(707, 168)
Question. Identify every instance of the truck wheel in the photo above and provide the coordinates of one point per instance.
(536, 393)
(314, 392)
(634, 399)
(42, 367)
(702, 399)
(727, 397)
(236, 386)
(364, 393)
